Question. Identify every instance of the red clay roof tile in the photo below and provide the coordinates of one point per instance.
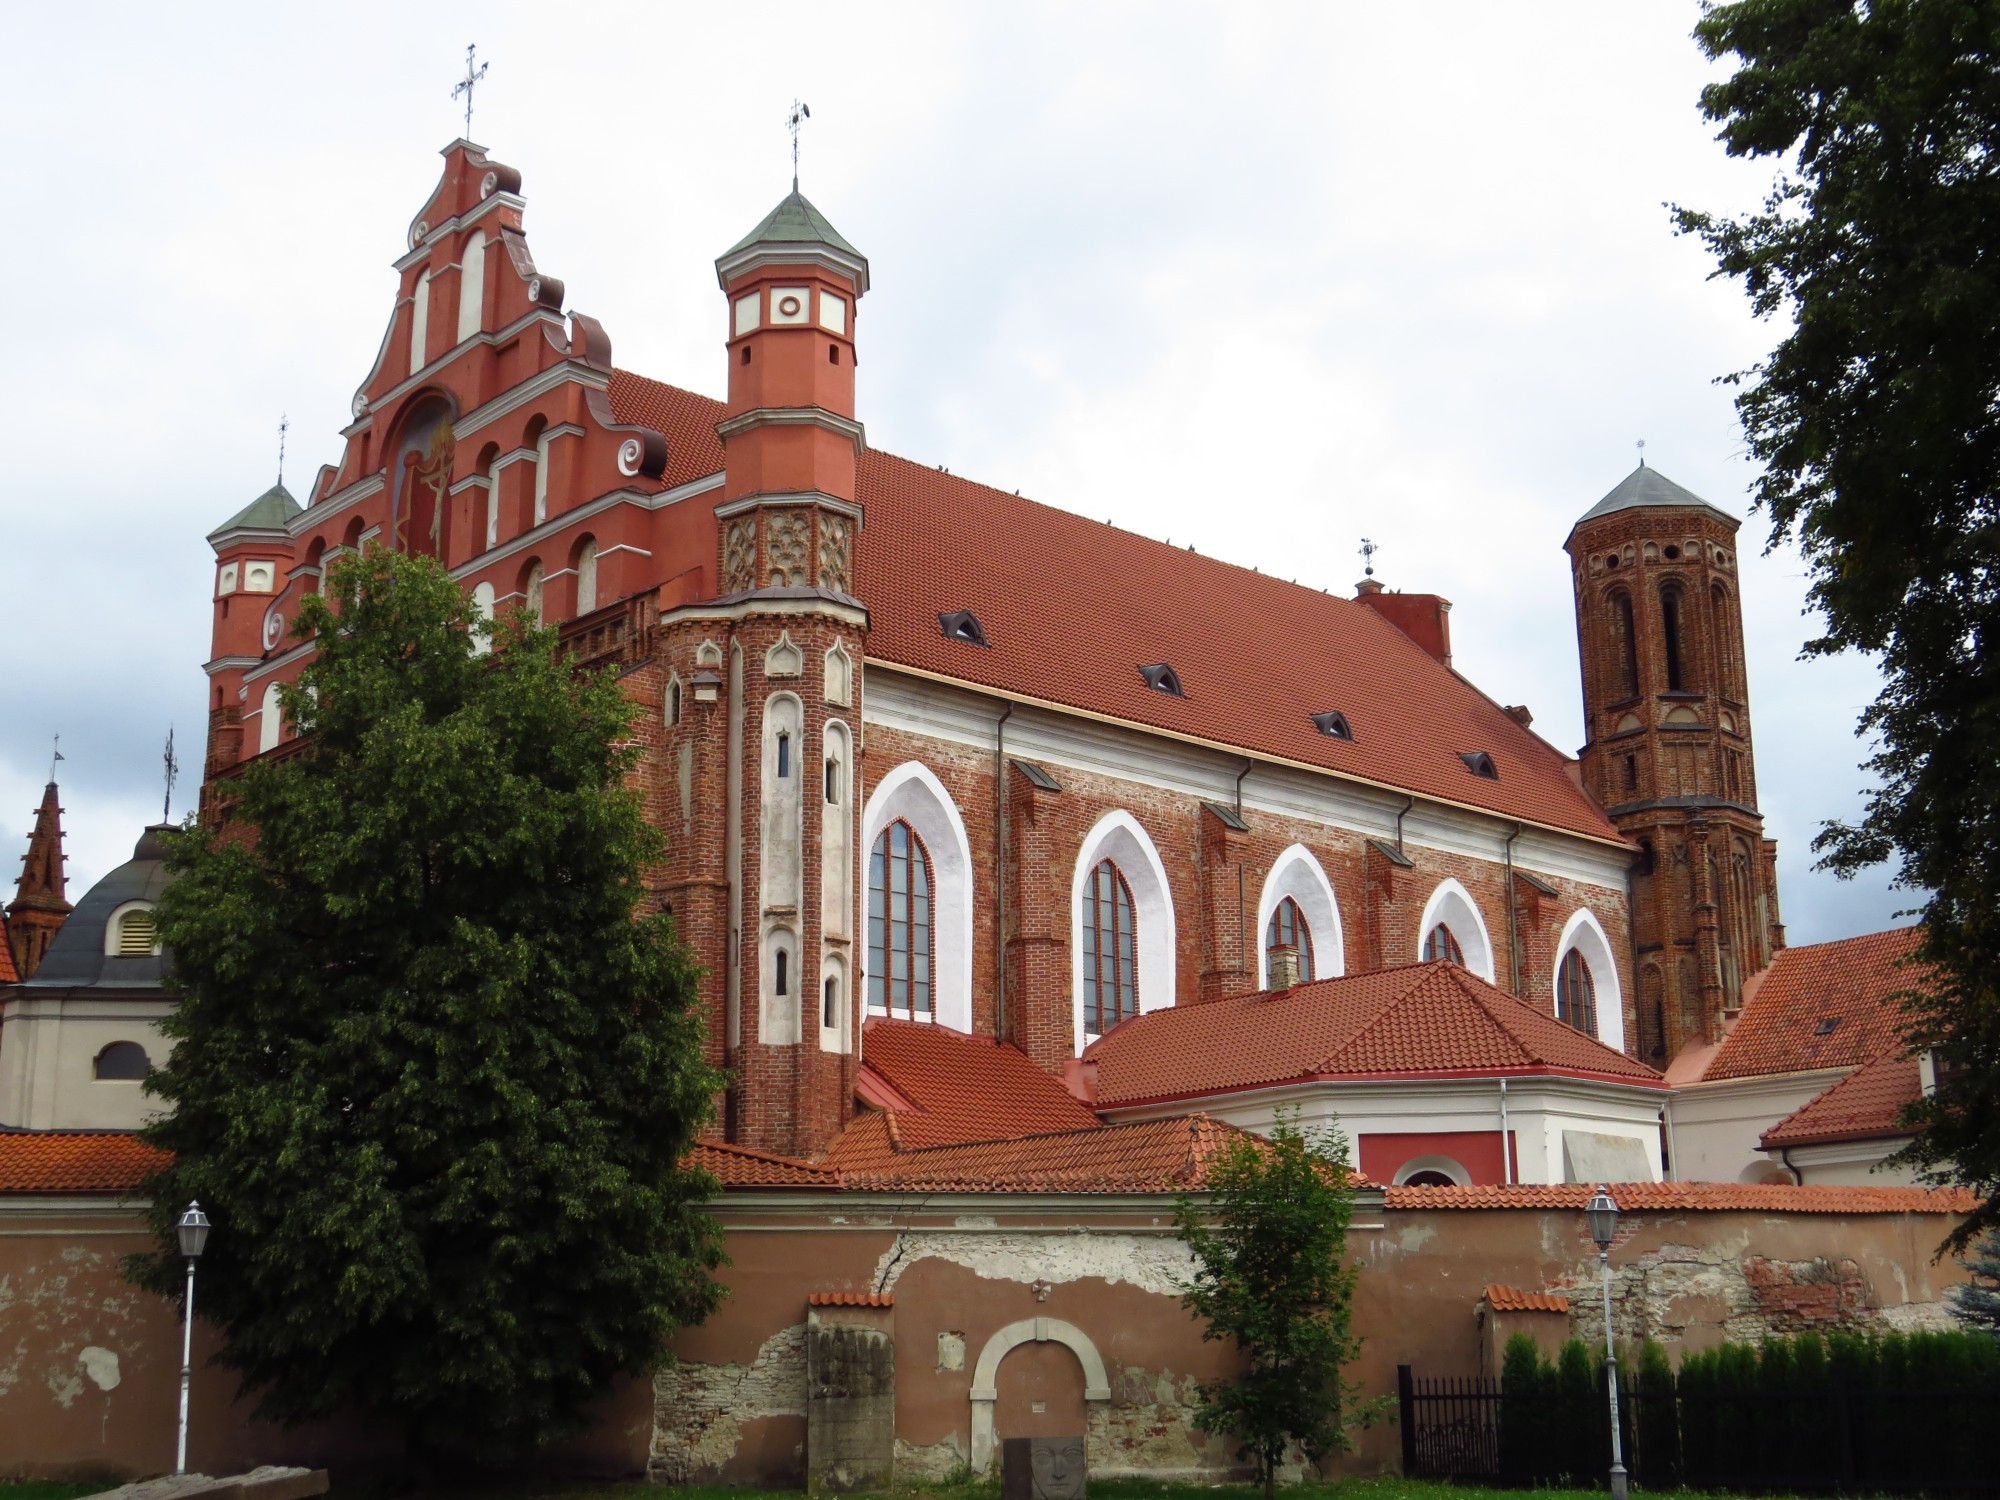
(1698, 1197)
(1513, 1299)
(1154, 1157)
(75, 1161)
(9, 974)
(963, 1088)
(1865, 1105)
(851, 1299)
(1257, 656)
(1432, 1018)
(739, 1166)
(1850, 981)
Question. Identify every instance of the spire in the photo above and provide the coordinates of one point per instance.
(40, 905)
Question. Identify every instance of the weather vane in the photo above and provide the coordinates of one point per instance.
(58, 755)
(800, 113)
(465, 85)
(284, 426)
(1368, 551)
(1642, 452)
(173, 768)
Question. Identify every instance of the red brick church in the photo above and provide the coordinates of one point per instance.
(933, 753)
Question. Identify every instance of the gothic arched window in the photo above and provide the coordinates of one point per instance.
(1287, 929)
(1670, 632)
(1110, 951)
(1439, 943)
(899, 924)
(1576, 994)
(1626, 647)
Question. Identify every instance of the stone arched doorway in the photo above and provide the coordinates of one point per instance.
(1048, 1371)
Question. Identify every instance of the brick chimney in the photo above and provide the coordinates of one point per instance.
(1284, 968)
(1424, 618)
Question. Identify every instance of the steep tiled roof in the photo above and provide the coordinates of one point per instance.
(1513, 1299)
(1866, 1104)
(74, 1161)
(965, 1088)
(9, 974)
(1696, 1197)
(1431, 1018)
(739, 1166)
(1256, 656)
(270, 511)
(1849, 983)
(1154, 1157)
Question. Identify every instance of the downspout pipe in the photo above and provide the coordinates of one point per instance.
(1407, 805)
(1506, 1139)
(1000, 874)
(1248, 767)
(1513, 923)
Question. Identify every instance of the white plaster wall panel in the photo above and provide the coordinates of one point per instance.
(1298, 874)
(1714, 1127)
(472, 286)
(732, 853)
(1118, 837)
(836, 879)
(913, 793)
(420, 322)
(782, 868)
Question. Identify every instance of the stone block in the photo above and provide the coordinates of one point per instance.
(850, 1407)
(268, 1483)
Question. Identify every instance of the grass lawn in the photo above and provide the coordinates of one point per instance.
(1108, 1489)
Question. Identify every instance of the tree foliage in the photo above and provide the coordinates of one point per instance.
(1976, 1303)
(432, 1079)
(1271, 1275)
(1876, 422)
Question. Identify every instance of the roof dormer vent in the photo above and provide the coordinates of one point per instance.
(1479, 763)
(1333, 724)
(1162, 678)
(962, 625)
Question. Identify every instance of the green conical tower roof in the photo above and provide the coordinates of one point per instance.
(794, 222)
(271, 511)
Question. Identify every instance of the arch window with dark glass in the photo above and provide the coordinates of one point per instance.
(1576, 994)
(1439, 943)
(1287, 929)
(1110, 951)
(1625, 647)
(900, 936)
(122, 1062)
(1671, 604)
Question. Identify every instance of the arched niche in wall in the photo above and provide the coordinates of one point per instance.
(1452, 906)
(1118, 837)
(782, 873)
(482, 605)
(270, 720)
(1298, 874)
(912, 794)
(1585, 934)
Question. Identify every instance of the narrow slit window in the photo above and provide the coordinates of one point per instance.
(832, 782)
(784, 755)
(1670, 614)
(784, 986)
(829, 1016)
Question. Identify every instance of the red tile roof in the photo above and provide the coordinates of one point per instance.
(739, 1166)
(962, 1088)
(1155, 1157)
(1513, 1299)
(1256, 656)
(1696, 1197)
(1850, 982)
(1866, 1105)
(851, 1299)
(9, 974)
(75, 1161)
(1431, 1019)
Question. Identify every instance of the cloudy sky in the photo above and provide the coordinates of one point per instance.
(1262, 278)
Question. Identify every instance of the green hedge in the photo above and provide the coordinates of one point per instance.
(1883, 1413)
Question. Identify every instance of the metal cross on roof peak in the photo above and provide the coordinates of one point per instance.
(794, 118)
(284, 426)
(465, 87)
(1368, 551)
(173, 770)
(1642, 452)
(55, 755)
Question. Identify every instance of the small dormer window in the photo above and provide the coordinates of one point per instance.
(1479, 763)
(1162, 678)
(133, 933)
(1333, 724)
(1827, 1025)
(962, 625)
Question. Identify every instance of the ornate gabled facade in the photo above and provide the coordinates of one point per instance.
(924, 750)
(40, 905)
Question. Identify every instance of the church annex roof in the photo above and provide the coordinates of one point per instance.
(270, 511)
(1649, 487)
(1866, 1105)
(76, 959)
(1822, 1005)
(1430, 1019)
(1072, 608)
(793, 222)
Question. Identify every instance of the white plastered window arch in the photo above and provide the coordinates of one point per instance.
(1298, 874)
(913, 793)
(1443, 1166)
(1118, 837)
(1453, 905)
(1586, 935)
(270, 720)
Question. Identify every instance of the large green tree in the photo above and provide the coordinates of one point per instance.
(1272, 1277)
(1876, 422)
(432, 1077)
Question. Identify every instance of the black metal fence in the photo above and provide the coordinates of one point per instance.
(1838, 1439)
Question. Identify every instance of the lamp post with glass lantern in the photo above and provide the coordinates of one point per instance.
(192, 1231)
(1602, 1214)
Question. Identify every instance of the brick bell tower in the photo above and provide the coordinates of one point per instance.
(1666, 711)
(780, 644)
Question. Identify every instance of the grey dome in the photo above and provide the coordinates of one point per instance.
(1644, 488)
(76, 959)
